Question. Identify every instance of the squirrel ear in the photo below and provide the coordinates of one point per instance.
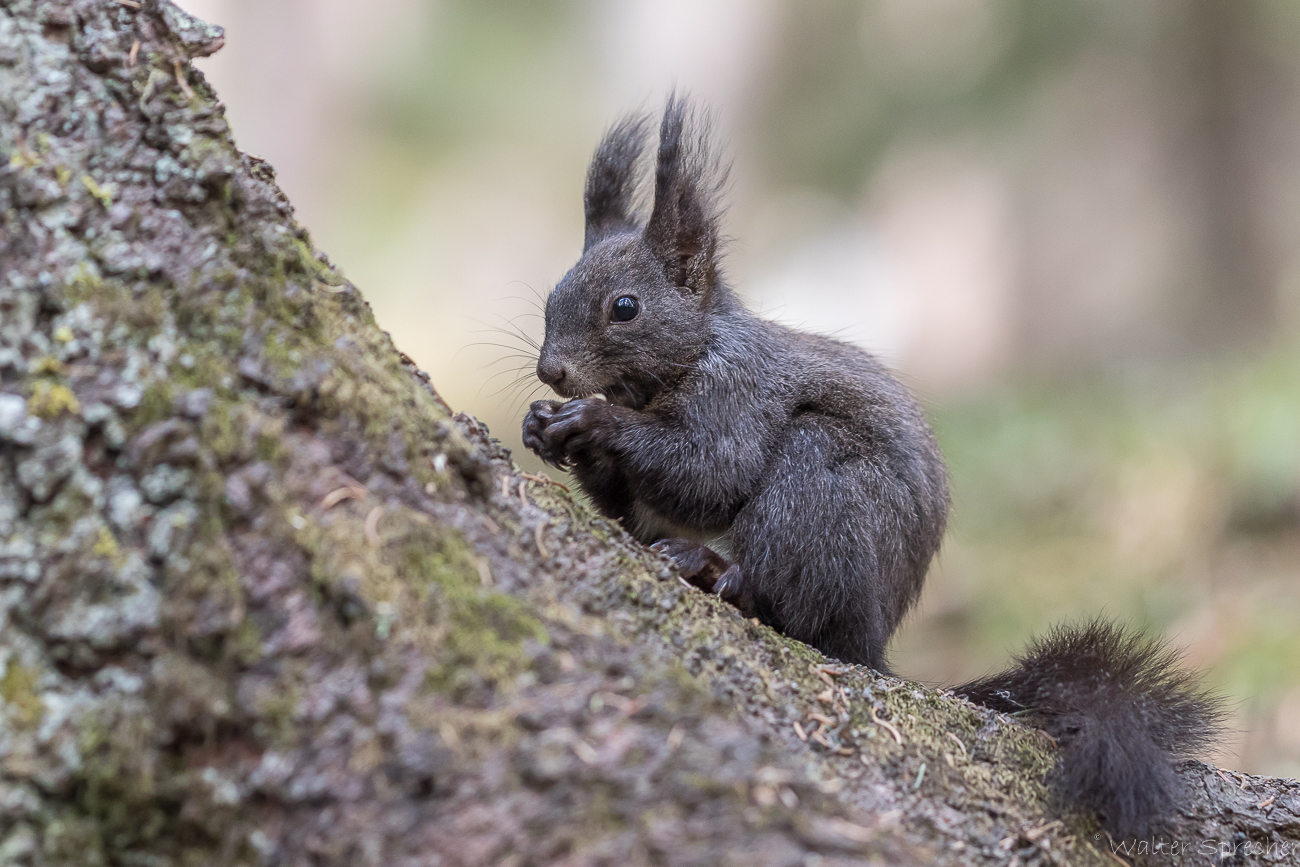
(683, 226)
(611, 180)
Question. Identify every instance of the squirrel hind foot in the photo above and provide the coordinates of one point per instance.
(708, 570)
(698, 564)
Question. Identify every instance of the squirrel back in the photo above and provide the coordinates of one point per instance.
(795, 477)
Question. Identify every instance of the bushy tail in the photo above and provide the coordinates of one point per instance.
(1122, 712)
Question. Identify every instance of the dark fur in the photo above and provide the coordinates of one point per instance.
(805, 450)
(1121, 710)
(806, 459)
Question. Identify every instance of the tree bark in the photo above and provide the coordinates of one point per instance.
(265, 600)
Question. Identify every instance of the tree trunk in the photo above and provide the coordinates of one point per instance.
(265, 600)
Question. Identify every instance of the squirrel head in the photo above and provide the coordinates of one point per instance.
(635, 311)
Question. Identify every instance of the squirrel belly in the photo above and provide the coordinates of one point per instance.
(795, 477)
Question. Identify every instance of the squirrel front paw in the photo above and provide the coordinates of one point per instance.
(539, 415)
(557, 431)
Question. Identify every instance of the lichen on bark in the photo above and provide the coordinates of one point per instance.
(265, 600)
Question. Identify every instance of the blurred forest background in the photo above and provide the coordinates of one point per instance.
(1072, 227)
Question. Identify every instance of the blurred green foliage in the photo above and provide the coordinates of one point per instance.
(839, 98)
(1172, 501)
(485, 69)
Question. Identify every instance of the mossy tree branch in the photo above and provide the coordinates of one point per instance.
(265, 600)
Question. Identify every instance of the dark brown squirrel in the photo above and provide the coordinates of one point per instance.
(796, 478)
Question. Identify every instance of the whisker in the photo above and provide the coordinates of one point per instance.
(533, 289)
(524, 337)
(519, 372)
(517, 329)
(515, 333)
(520, 351)
(539, 307)
(523, 382)
(527, 398)
(510, 386)
(529, 361)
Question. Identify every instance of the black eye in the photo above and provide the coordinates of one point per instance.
(625, 308)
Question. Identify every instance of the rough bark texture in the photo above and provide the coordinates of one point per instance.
(264, 600)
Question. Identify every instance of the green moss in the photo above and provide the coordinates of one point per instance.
(482, 631)
(207, 370)
(221, 433)
(119, 778)
(301, 258)
(74, 840)
(22, 158)
(246, 643)
(52, 399)
(145, 313)
(82, 284)
(155, 404)
(46, 365)
(102, 194)
(18, 689)
(106, 546)
(270, 444)
(279, 709)
(1027, 757)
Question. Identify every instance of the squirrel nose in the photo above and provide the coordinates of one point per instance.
(551, 372)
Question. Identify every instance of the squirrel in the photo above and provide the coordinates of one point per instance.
(793, 476)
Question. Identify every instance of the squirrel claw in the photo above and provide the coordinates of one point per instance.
(534, 434)
(728, 586)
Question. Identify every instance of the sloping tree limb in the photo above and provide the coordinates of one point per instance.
(265, 600)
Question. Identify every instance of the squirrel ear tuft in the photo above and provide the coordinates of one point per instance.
(683, 226)
(611, 179)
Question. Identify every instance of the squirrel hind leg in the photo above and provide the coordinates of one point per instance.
(821, 548)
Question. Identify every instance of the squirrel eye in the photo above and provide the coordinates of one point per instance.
(625, 309)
